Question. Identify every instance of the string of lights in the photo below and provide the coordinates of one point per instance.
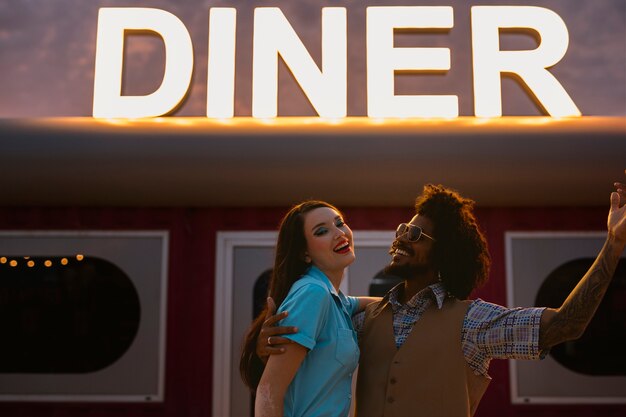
(15, 261)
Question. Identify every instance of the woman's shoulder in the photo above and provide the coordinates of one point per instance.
(306, 293)
(310, 286)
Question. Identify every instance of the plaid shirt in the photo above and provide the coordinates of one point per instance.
(489, 331)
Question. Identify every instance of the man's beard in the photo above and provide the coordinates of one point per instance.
(405, 271)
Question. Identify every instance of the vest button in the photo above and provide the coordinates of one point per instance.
(393, 380)
(390, 400)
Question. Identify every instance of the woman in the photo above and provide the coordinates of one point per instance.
(313, 377)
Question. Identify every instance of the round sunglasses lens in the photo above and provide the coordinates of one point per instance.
(415, 233)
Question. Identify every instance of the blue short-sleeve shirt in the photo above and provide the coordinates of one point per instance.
(322, 385)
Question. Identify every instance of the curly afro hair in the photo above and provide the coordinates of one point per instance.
(460, 252)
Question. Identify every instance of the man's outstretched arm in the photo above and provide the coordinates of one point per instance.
(571, 319)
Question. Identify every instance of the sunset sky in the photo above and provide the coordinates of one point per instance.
(47, 54)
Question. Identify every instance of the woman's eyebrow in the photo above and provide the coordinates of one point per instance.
(318, 225)
(324, 223)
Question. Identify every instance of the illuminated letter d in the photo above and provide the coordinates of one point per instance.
(108, 101)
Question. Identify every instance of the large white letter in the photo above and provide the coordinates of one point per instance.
(221, 66)
(325, 89)
(383, 60)
(531, 66)
(107, 95)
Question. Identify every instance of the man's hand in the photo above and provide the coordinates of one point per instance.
(620, 188)
(617, 215)
(616, 222)
(270, 340)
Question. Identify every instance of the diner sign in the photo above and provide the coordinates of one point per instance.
(326, 87)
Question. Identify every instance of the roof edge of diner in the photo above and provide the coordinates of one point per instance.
(182, 126)
(201, 162)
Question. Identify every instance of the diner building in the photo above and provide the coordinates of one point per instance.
(136, 240)
(131, 250)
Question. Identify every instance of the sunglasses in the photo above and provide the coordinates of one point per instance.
(413, 233)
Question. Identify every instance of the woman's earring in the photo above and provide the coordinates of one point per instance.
(439, 275)
(307, 259)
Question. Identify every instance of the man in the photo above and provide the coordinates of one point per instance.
(425, 348)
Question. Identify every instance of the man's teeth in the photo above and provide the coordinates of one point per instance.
(402, 252)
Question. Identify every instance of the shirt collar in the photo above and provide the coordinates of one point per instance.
(435, 291)
(317, 274)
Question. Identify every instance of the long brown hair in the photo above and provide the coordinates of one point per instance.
(460, 252)
(289, 266)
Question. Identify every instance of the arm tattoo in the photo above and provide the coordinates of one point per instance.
(571, 320)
